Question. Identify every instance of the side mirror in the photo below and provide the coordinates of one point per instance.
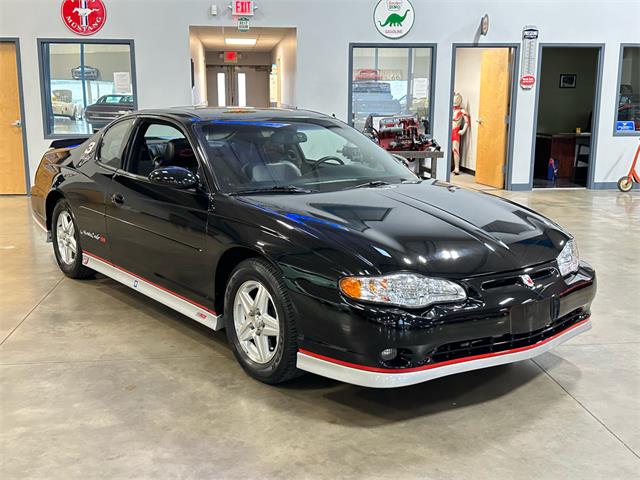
(176, 177)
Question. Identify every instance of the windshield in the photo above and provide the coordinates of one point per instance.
(311, 154)
(116, 99)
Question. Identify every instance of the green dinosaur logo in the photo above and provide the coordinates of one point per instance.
(394, 20)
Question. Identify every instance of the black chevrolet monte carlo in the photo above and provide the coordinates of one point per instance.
(313, 247)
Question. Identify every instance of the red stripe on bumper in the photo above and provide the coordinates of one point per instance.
(440, 364)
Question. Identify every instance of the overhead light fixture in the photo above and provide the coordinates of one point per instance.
(240, 41)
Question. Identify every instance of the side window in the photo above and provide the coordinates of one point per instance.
(160, 145)
(113, 143)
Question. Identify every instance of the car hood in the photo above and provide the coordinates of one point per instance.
(432, 227)
(110, 107)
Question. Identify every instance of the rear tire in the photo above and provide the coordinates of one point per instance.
(66, 242)
(625, 183)
(260, 322)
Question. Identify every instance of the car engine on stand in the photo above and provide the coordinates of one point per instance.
(398, 133)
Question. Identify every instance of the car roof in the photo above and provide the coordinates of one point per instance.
(232, 113)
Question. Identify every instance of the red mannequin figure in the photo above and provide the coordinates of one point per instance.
(459, 126)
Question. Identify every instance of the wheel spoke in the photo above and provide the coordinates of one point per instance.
(271, 326)
(72, 247)
(246, 302)
(254, 353)
(262, 346)
(244, 332)
(262, 299)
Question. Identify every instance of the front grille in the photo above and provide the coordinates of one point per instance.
(510, 280)
(480, 346)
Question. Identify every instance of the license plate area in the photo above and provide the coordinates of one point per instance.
(534, 316)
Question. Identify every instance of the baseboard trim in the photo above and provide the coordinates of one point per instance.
(610, 186)
(519, 187)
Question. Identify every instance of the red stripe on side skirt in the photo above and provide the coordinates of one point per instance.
(149, 282)
(440, 364)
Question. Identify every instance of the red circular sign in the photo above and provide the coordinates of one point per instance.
(527, 81)
(84, 17)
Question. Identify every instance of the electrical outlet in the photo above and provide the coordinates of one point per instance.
(213, 11)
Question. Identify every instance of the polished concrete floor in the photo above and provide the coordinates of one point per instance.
(99, 382)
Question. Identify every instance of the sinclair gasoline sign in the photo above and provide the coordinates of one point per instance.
(393, 18)
(84, 17)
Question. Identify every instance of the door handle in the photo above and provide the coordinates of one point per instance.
(17, 123)
(117, 199)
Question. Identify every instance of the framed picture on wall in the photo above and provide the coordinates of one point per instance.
(567, 80)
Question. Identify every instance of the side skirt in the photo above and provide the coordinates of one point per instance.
(172, 300)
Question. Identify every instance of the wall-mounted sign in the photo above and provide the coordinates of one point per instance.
(243, 24)
(625, 126)
(484, 25)
(230, 57)
(242, 8)
(529, 55)
(84, 17)
(393, 18)
(122, 82)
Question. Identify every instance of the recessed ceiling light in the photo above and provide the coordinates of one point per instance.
(240, 41)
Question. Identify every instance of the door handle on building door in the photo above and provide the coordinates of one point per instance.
(17, 123)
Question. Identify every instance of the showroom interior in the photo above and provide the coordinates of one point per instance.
(536, 103)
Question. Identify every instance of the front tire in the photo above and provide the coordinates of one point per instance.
(66, 242)
(625, 183)
(260, 322)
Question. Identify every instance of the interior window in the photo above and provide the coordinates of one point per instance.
(158, 145)
(113, 143)
(628, 114)
(77, 75)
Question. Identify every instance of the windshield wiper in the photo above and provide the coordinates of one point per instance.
(373, 183)
(274, 189)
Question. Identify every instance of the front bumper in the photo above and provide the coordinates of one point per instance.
(503, 321)
(390, 378)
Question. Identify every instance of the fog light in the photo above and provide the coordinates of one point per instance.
(388, 354)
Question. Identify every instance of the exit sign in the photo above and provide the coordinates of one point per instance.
(230, 57)
(242, 7)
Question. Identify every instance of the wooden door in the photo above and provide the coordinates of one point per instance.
(13, 177)
(491, 153)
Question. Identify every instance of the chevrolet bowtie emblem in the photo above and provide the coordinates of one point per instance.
(526, 279)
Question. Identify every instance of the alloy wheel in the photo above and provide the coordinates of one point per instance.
(66, 238)
(256, 321)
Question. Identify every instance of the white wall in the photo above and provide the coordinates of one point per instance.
(285, 56)
(467, 83)
(324, 30)
(199, 92)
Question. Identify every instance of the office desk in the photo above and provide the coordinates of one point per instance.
(564, 149)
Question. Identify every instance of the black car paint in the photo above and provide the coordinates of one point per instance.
(183, 240)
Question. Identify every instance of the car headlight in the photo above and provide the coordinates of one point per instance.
(569, 259)
(402, 289)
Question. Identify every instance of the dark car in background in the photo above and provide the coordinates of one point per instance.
(108, 108)
(312, 246)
